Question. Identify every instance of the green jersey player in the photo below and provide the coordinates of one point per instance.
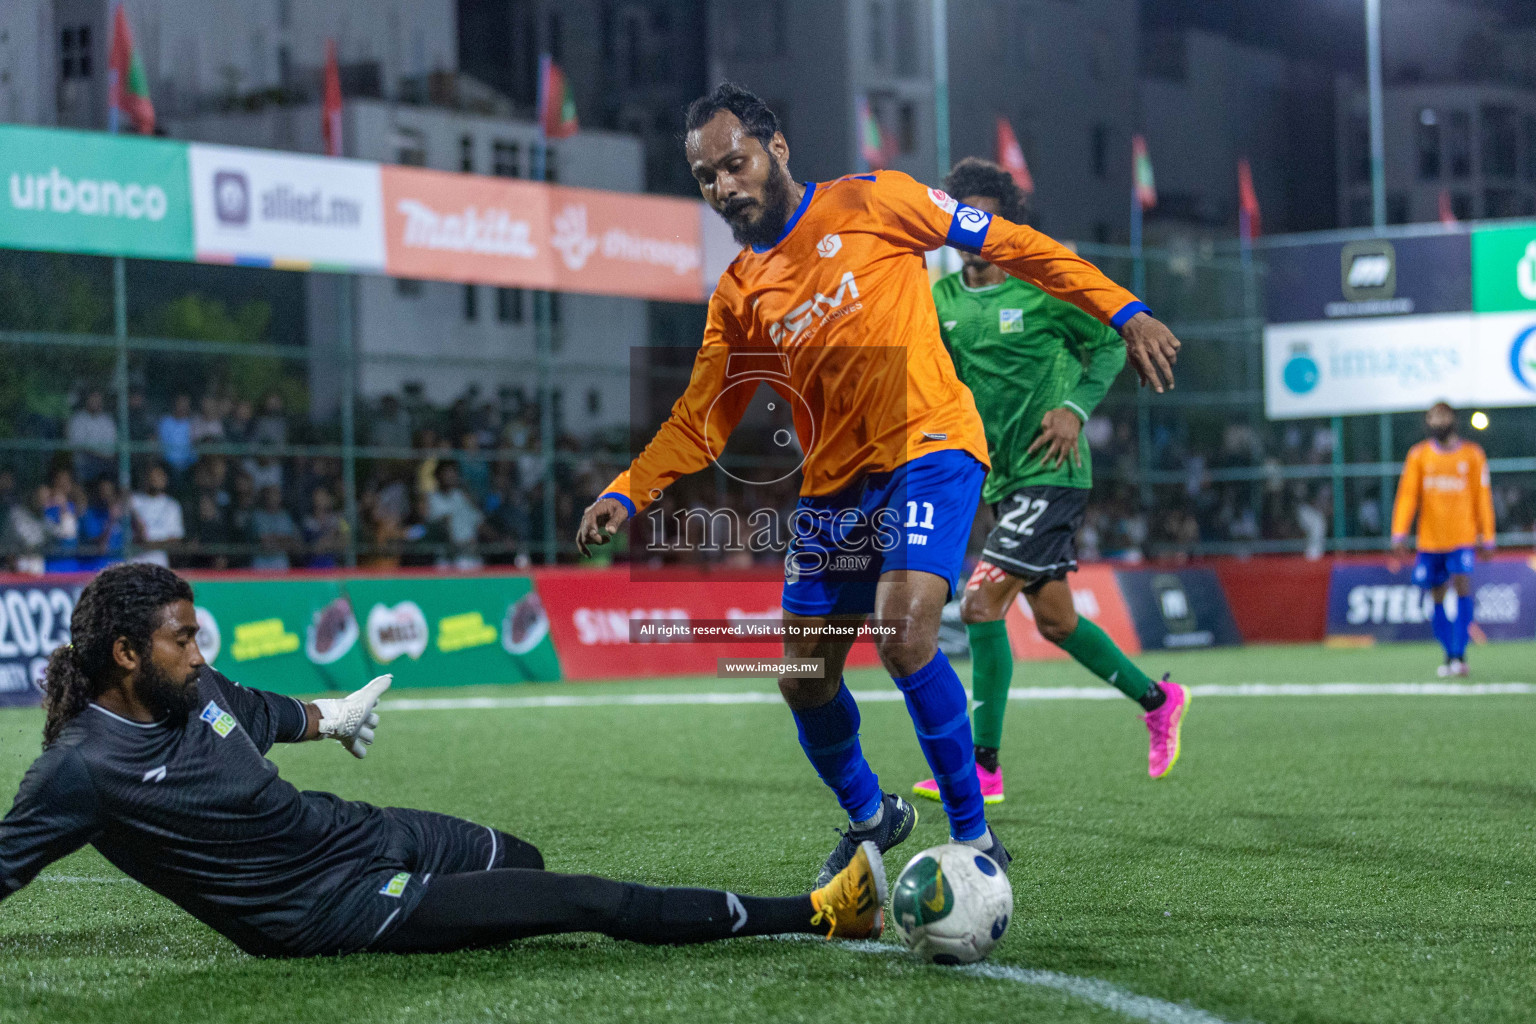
(1037, 367)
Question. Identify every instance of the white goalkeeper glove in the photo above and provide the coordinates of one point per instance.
(352, 719)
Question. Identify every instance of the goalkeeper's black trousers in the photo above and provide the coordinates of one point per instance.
(487, 908)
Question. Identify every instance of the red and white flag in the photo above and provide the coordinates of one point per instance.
(1447, 209)
(1010, 156)
(1250, 218)
(330, 125)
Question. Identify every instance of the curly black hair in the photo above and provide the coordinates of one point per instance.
(760, 122)
(974, 176)
(125, 601)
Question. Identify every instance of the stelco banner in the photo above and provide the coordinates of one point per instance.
(1374, 601)
(1392, 326)
(158, 199)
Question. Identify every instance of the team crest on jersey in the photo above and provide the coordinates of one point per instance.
(1010, 321)
(396, 886)
(942, 200)
(221, 720)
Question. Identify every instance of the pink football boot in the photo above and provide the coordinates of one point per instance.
(991, 786)
(1163, 726)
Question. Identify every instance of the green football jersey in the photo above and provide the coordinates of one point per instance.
(1023, 353)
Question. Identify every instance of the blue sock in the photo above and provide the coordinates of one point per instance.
(829, 735)
(1441, 623)
(936, 701)
(1461, 629)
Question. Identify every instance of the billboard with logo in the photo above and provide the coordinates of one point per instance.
(34, 620)
(286, 635)
(1178, 609)
(462, 227)
(614, 244)
(446, 631)
(258, 208)
(93, 193)
(1396, 325)
(1375, 601)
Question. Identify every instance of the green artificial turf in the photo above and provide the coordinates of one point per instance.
(1320, 859)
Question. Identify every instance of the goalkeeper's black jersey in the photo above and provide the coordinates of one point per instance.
(195, 811)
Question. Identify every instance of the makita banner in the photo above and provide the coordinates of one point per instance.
(1376, 601)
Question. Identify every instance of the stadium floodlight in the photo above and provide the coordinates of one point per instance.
(1378, 129)
(1479, 420)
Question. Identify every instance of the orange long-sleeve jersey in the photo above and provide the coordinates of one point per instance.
(1452, 494)
(838, 318)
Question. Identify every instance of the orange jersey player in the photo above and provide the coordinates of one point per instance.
(1445, 481)
(829, 303)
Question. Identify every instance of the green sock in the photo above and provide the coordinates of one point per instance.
(991, 675)
(1096, 652)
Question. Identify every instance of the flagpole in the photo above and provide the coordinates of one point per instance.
(542, 338)
(1138, 264)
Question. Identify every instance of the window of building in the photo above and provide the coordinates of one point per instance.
(1528, 144)
(75, 52)
(284, 66)
(1501, 202)
(1360, 213)
(754, 30)
(551, 164)
(1501, 142)
(1100, 150)
(509, 305)
(1429, 145)
(556, 27)
(506, 159)
(467, 154)
(878, 45)
(471, 302)
(1461, 205)
(1101, 233)
(904, 35)
(906, 127)
(1359, 149)
(407, 287)
(1397, 208)
(634, 52)
(594, 401)
(410, 147)
(554, 309)
(1458, 143)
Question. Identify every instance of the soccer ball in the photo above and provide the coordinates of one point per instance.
(951, 904)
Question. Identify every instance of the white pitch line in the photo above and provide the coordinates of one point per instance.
(1092, 990)
(78, 879)
(1017, 693)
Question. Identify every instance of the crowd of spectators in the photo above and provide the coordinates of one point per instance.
(217, 484)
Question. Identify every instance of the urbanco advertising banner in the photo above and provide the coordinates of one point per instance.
(1375, 601)
(255, 207)
(461, 227)
(592, 614)
(89, 192)
(454, 631)
(1178, 609)
(1096, 596)
(34, 621)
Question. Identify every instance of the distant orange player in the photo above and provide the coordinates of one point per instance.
(1445, 480)
(830, 290)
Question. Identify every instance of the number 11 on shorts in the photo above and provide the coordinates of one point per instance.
(927, 522)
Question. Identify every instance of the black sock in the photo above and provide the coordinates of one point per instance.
(986, 757)
(667, 916)
(1152, 699)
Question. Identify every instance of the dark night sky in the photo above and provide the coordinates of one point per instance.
(1329, 30)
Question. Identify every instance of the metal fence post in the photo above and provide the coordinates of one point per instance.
(120, 372)
(346, 337)
(1339, 519)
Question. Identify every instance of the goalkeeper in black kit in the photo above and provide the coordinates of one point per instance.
(158, 761)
